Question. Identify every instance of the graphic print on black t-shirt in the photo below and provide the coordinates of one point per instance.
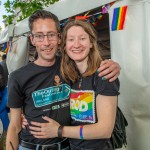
(51, 95)
(82, 105)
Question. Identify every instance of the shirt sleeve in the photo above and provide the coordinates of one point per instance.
(15, 95)
(104, 87)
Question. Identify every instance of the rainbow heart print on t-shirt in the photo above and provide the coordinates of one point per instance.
(82, 106)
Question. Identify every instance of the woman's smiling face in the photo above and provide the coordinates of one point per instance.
(78, 44)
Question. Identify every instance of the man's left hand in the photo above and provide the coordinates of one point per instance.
(109, 70)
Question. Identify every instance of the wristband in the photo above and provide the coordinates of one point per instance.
(60, 131)
(81, 134)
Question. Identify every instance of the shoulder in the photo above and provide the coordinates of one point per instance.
(21, 72)
(105, 87)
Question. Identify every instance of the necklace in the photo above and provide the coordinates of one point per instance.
(81, 79)
(80, 82)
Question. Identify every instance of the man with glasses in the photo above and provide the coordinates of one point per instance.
(38, 89)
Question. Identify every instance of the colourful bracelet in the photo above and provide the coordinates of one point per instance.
(81, 134)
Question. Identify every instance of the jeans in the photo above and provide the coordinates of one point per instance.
(23, 148)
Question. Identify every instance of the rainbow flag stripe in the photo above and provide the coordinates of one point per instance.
(99, 17)
(119, 18)
(5, 47)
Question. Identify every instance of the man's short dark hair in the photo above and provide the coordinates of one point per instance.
(43, 14)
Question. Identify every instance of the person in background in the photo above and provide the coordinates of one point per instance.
(3, 105)
(4, 65)
(36, 91)
(93, 101)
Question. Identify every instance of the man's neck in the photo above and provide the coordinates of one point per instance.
(45, 63)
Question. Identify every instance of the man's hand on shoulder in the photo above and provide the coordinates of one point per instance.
(109, 69)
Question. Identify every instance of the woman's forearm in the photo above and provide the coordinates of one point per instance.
(92, 131)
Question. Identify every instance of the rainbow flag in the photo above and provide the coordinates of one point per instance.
(119, 18)
(81, 17)
(96, 19)
(5, 47)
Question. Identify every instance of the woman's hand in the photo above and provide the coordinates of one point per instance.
(109, 69)
(44, 130)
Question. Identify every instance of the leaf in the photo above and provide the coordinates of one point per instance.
(4, 16)
(26, 8)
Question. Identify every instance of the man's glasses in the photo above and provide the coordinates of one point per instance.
(52, 36)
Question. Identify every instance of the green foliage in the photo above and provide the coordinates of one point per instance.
(26, 8)
(0, 28)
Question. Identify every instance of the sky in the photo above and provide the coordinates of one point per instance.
(2, 12)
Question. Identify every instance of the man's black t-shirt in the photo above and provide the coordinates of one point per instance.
(39, 91)
(83, 106)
